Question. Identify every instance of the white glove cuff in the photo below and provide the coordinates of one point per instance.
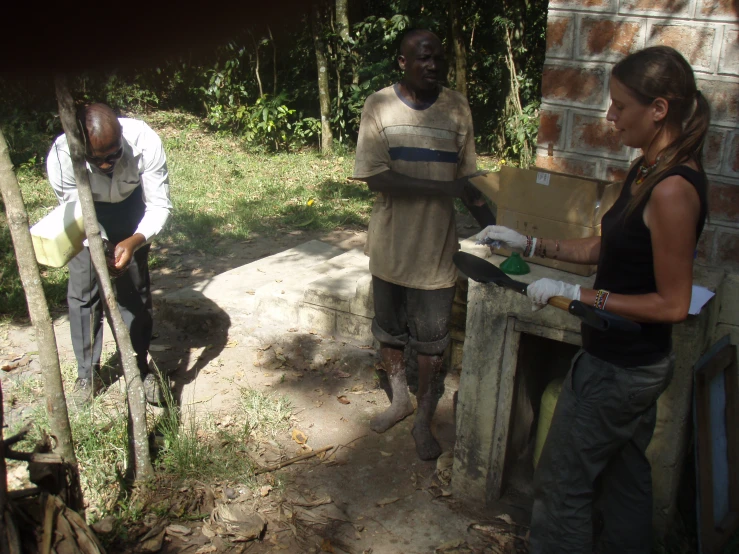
(576, 294)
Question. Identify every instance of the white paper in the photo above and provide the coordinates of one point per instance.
(699, 298)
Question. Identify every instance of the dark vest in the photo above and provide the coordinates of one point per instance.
(626, 266)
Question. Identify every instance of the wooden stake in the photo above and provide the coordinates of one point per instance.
(38, 309)
(137, 432)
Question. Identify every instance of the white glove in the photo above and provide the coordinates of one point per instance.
(542, 290)
(497, 236)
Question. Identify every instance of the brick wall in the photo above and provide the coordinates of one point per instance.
(586, 37)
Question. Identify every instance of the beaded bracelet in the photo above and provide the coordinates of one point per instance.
(530, 242)
(601, 297)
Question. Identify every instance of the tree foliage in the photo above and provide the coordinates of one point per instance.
(262, 83)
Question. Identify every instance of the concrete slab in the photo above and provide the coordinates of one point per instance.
(314, 286)
(235, 292)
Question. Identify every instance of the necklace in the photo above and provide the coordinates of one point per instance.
(645, 170)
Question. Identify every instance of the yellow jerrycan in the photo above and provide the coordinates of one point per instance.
(546, 411)
(58, 237)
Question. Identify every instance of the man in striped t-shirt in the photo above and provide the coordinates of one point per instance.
(416, 148)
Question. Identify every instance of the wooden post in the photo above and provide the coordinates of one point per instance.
(137, 432)
(324, 96)
(4, 547)
(56, 404)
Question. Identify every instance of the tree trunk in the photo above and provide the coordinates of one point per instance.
(274, 61)
(514, 101)
(56, 404)
(137, 432)
(346, 50)
(460, 50)
(342, 19)
(324, 94)
(256, 69)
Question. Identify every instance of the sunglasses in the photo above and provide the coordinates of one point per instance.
(109, 159)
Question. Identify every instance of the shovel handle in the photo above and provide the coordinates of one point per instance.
(561, 302)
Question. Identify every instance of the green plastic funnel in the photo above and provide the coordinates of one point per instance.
(514, 265)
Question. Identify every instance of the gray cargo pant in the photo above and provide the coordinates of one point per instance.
(603, 422)
(132, 290)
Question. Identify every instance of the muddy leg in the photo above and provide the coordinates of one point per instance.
(400, 406)
(426, 445)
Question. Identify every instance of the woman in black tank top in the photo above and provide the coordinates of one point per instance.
(606, 412)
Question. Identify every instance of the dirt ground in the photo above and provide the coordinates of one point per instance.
(367, 493)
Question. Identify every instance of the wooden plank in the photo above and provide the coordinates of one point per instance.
(732, 432)
(716, 374)
(559, 335)
(705, 476)
(505, 405)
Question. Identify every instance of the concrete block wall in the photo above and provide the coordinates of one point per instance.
(586, 37)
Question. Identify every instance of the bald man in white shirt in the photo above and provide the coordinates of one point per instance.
(128, 175)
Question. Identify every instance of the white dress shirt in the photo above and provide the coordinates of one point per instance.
(143, 164)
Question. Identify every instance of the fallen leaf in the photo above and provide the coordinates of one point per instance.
(19, 362)
(506, 518)
(159, 347)
(207, 531)
(343, 399)
(292, 330)
(153, 544)
(386, 453)
(386, 501)
(299, 436)
(231, 343)
(205, 549)
(444, 467)
(317, 403)
(104, 526)
(450, 545)
(265, 490)
(342, 374)
(178, 530)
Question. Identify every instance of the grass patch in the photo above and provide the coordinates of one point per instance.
(22, 390)
(220, 189)
(189, 446)
(266, 415)
(213, 447)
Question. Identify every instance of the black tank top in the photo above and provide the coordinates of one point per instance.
(626, 266)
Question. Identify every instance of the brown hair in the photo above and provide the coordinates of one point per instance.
(662, 72)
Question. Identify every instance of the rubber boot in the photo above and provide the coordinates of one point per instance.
(426, 445)
(400, 404)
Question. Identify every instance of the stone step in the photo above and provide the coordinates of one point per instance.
(316, 301)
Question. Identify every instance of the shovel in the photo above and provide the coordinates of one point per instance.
(483, 271)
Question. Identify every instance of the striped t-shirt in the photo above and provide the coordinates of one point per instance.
(411, 239)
